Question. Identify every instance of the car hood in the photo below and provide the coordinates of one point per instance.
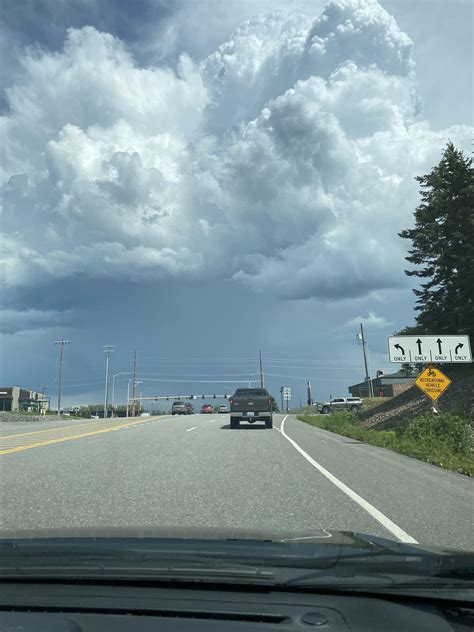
(321, 537)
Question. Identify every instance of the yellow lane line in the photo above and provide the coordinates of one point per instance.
(69, 438)
(23, 434)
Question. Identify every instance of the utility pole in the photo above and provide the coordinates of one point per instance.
(61, 344)
(108, 349)
(364, 348)
(281, 393)
(134, 382)
(310, 395)
(262, 376)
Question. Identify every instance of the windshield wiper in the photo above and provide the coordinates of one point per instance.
(127, 564)
(393, 568)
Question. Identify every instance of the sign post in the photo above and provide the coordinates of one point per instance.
(287, 396)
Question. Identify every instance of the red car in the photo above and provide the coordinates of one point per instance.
(206, 408)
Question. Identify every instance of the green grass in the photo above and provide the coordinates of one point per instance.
(442, 440)
(374, 402)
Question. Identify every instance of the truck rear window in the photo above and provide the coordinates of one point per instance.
(251, 392)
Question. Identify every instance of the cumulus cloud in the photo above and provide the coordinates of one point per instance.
(371, 321)
(284, 160)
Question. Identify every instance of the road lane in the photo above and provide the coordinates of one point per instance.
(27, 440)
(162, 473)
(433, 505)
(159, 474)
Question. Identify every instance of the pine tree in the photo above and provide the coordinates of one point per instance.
(443, 246)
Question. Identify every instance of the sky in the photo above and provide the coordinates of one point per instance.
(201, 181)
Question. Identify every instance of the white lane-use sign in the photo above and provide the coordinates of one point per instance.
(424, 349)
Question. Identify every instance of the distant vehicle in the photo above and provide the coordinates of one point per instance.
(206, 408)
(341, 403)
(223, 409)
(189, 408)
(179, 408)
(94, 416)
(251, 404)
(145, 415)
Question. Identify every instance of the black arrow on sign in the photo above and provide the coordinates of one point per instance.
(439, 341)
(400, 348)
(418, 342)
(459, 346)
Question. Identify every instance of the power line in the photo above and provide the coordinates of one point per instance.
(315, 379)
(149, 379)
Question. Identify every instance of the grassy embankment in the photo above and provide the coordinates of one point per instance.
(442, 440)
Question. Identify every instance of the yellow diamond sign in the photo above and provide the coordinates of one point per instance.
(432, 382)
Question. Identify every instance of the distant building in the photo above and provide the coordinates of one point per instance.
(383, 385)
(17, 399)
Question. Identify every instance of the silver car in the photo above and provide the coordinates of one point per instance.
(341, 403)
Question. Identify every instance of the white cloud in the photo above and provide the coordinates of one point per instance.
(285, 161)
(372, 321)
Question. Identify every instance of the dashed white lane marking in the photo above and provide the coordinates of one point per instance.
(397, 531)
(189, 429)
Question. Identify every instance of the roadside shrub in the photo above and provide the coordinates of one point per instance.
(446, 428)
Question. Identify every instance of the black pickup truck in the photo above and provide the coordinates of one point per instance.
(251, 404)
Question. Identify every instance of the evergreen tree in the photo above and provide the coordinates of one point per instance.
(443, 247)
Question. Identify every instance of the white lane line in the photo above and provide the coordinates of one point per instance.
(370, 509)
(211, 421)
(189, 429)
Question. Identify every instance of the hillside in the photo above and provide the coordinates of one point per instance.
(400, 410)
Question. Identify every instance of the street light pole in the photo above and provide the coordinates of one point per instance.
(108, 349)
(43, 407)
(113, 386)
(61, 344)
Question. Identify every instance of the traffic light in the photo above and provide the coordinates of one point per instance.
(214, 396)
(225, 396)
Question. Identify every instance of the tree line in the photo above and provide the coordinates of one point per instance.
(442, 248)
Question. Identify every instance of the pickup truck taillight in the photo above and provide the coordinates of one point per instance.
(231, 401)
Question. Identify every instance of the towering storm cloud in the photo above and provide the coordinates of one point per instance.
(291, 149)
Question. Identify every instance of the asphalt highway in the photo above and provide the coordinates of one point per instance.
(194, 471)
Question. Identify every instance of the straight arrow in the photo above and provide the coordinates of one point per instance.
(418, 342)
(439, 341)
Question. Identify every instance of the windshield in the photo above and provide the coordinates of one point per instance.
(249, 392)
(265, 209)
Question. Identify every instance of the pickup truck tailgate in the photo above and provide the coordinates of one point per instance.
(253, 399)
(256, 404)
